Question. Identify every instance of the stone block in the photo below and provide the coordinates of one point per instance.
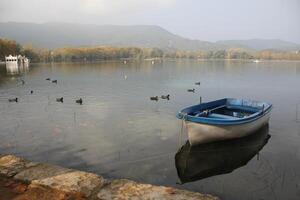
(126, 189)
(11, 165)
(76, 181)
(41, 171)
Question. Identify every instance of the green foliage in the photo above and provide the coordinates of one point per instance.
(219, 54)
(104, 53)
(109, 53)
(8, 47)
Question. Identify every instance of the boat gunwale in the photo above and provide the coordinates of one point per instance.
(215, 121)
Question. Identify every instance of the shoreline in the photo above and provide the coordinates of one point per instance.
(21, 179)
(158, 60)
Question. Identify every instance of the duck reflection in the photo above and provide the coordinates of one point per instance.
(205, 160)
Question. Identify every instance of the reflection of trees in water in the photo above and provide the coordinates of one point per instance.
(97, 66)
(11, 71)
(2, 74)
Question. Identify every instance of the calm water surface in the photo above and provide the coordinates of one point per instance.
(119, 133)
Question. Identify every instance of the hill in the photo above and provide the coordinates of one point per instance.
(57, 35)
(261, 44)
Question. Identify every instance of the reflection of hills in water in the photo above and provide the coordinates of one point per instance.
(14, 68)
(202, 161)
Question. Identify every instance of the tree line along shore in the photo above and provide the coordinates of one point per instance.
(67, 54)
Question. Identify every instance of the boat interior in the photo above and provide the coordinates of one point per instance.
(226, 112)
(226, 109)
(230, 109)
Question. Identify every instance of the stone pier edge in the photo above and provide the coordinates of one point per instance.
(87, 185)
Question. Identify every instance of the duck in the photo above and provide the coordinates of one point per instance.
(61, 99)
(165, 96)
(154, 98)
(197, 83)
(48, 79)
(13, 100)
(54, 81)
(23, 82)
(31, 91)
(79, 101)
(191, 90)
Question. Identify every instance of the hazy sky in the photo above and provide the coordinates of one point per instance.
(197, 19)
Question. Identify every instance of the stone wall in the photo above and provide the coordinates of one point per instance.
(44, 181)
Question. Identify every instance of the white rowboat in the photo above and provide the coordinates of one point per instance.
(224, 119)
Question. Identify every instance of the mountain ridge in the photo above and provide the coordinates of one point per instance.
(57, 35)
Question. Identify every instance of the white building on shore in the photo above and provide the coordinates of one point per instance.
(11, 59)
(23, 59)
(16, 59)
(15, 64)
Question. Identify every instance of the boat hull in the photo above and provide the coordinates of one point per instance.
(199, 133)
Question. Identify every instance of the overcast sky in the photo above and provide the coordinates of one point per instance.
(197, 19)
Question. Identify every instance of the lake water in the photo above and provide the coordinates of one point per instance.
(119, 133)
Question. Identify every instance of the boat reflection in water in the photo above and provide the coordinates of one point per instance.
(197, 162)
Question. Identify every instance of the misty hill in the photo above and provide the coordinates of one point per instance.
(261, 44)
(56, 35)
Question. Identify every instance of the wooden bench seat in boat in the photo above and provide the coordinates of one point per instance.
(220, 116)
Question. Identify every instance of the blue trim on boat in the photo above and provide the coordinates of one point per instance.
(259, 110)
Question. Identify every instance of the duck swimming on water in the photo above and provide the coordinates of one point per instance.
(191, 90)
(165, 96)
(154, 98)
(13, 100)
(61, 99)
(48, 79)
(197, 83)
(54, 81)
(79, 101)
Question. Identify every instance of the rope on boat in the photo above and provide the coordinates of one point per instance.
(181, 130)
